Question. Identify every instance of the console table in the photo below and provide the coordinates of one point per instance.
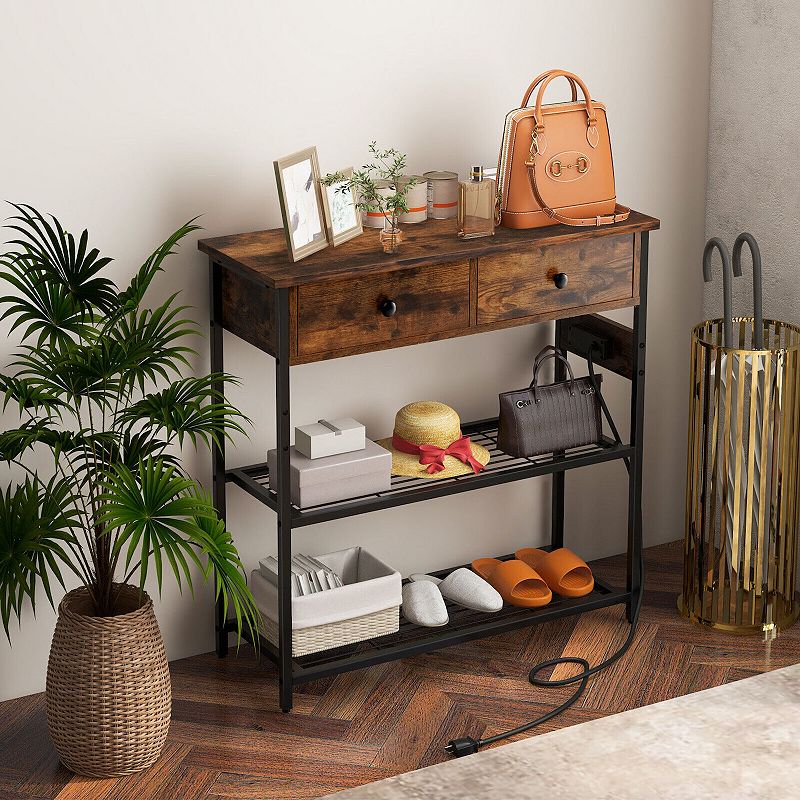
(355, 299)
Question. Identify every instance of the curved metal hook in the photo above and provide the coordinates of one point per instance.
(727, 280)
(758, 303)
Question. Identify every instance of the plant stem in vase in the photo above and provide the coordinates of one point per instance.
(391, 235)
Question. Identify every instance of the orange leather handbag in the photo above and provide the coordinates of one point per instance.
(555, 162)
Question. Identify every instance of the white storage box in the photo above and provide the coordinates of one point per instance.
(326, 480)
(329, 438)
(367, 606)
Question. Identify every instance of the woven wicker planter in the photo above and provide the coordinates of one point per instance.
(108, 689)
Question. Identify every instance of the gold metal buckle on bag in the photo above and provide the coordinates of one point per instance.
(581, 164)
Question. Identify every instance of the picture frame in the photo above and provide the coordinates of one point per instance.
(300, 196)
(342, 216)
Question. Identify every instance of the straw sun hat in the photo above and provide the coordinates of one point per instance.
(427, 443)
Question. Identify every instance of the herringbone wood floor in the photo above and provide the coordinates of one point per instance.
(229, 740)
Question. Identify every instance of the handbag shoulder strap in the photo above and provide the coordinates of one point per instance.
(620, 214)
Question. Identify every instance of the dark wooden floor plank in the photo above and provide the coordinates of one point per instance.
(410, 738)
(242, 787)
(218, 718)
(347, 693)
(385, 706)
(228, 738)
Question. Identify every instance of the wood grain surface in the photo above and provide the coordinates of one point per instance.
(228, 739)
(514, 285)
(262, 254)
(344, 315)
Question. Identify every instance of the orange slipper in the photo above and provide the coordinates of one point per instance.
(563, 571)
(518, 584)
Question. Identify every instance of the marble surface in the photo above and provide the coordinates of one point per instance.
(738, 741)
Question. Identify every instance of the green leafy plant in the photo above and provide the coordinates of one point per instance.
(98, 383)
(368, 185)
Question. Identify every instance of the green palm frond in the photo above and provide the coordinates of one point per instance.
(150, 510)
(156, 512)
(230, 584)
(152, 342)
(56, 277)
(29, 395)
(130, 299)
(36, 532)
(72, 371)
(190, 407)
(15, 441)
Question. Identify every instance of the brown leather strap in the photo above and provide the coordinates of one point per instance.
(620, 212)
(537, 81)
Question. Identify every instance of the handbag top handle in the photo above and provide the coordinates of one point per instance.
(540, 359)
(539, 140)
(536, 81)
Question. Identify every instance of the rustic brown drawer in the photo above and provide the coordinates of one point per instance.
(519, 285)
(346, 314)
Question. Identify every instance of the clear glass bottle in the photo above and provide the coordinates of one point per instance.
(476, 205)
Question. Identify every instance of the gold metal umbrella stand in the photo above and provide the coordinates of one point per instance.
(743, 477)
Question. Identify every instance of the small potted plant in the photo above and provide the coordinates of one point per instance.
(379, 187)
(98, 383)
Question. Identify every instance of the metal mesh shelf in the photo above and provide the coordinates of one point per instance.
(464, 625)
(502, 468)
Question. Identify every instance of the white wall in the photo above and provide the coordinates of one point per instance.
(131, 118)
(753, 180)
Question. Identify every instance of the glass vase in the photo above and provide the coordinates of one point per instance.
(391, 235)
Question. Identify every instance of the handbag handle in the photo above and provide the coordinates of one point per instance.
(592, 136)
(537, 81)
(544, 351)
(537, 365)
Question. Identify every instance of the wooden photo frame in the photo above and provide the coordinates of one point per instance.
(300, 197)
(342, 216)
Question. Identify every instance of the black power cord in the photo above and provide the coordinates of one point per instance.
(467, 745)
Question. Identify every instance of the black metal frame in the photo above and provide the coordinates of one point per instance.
(410, 640)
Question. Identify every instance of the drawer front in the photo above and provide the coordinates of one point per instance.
(523, 284)
(346, 315)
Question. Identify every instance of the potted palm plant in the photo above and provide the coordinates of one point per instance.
(98, 384)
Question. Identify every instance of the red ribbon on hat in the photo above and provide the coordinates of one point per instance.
(433, 456)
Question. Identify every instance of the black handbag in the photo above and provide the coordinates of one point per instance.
(551, 418)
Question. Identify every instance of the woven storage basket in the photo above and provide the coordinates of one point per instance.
(337, 634)
(108, 689)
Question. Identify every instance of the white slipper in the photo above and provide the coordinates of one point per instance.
(464, 587)
(423, 604)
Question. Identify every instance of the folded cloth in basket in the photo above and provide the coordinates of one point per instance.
(369, 586)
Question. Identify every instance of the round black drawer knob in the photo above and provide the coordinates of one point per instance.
(560, 279)
(388, 308)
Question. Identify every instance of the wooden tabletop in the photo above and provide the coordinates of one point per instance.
(263, 255)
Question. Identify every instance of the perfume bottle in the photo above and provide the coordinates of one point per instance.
(476, 205)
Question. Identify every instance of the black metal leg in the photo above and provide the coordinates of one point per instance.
(558, 484)
(218, 450)
(634, 576)
(282, 424)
